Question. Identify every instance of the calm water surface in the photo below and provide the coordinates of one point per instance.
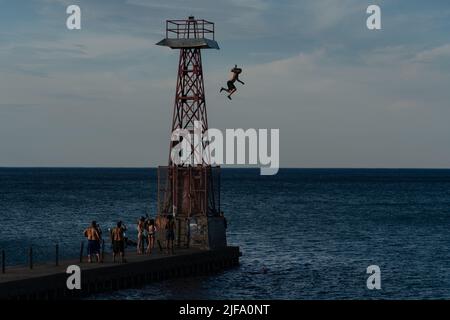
(316, 231)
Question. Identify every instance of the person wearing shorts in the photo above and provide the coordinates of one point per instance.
(93, 236)
(118, 239)
(151, 231)
(231, 86)
(235, 72)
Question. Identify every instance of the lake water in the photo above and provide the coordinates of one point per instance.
(315, 231)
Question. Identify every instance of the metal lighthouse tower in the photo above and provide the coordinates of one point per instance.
(189, 189)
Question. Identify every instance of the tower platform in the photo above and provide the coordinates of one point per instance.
(190, 33)
(202, 43)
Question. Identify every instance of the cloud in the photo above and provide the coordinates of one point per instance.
(15, 106)
(327, 14)
(92, 46)
(341, 95)
(205, 5)
(344, 114)
(434, 54)
(234, 19)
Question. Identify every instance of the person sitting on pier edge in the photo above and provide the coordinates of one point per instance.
(93, 241)
(151, 230)
(170, 234)
(141, 235)
(118, 239)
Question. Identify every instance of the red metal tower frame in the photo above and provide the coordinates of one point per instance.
(191, 188)
(190, 104)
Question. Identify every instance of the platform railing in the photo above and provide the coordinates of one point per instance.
(33, 256)
(189, 29)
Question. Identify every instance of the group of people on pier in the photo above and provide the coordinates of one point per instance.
(146, 238)
(146, 235)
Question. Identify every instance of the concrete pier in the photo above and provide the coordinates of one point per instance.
(49, 281)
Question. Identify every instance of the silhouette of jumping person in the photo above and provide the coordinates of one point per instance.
(235, 72)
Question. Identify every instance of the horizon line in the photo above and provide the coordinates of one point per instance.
(229, 167)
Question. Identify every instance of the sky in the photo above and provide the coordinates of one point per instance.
(340, 94)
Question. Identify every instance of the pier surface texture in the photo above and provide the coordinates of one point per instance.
(49, 281)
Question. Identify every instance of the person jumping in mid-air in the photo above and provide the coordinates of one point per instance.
(235, 72)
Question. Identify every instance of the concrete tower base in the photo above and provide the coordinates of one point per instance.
(207, 233)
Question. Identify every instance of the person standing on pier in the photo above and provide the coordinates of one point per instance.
(170, 234)
(151, 230)
(93, 241)
(118, 239)
(100, 239)
(141, 235)
(99, 230)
